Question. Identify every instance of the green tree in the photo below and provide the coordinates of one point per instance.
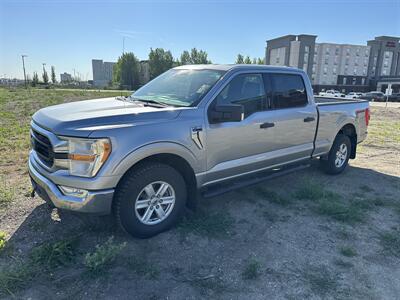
(254, 61)
(159, 61)
(185, 58)
(53, 75)
(195, 57)
(126, 71)
(260, 61)
(247, 60)
(35, 79)
(45, 77)
(239, 59)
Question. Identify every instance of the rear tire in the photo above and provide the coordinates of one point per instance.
(338, 156)
(150, 199)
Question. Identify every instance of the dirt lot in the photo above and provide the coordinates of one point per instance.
(305, 235)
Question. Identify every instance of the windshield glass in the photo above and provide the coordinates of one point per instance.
(179, 87)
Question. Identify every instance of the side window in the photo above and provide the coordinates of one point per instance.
(288, 91)
(247, 90)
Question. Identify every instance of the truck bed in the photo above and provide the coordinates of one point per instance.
(323, 100)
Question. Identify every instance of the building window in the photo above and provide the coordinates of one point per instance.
(327, 51)
(347, 61)
(306, 49)
(344, 80)
(365, 71)
(325, 70)
(387, 63)
(355, 71)
(354, 80)
(347, 51)
(326, 60)
(358, 52)
(334, 70)
(363, 81)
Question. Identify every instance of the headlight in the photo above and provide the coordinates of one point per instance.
(86, 156)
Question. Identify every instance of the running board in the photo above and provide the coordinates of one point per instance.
(233, 184)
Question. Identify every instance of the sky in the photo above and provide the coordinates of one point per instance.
(69, 34)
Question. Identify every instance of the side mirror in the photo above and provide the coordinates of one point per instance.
(226, 113)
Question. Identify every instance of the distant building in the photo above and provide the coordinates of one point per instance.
(102, 72)
(384, 63)
(65, 78)
(375, 66)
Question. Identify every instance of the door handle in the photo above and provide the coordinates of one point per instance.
(267, 125)
(309, 119)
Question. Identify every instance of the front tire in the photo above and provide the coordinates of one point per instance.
(338, 156)
(150, 199)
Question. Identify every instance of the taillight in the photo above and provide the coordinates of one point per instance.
(367, 116)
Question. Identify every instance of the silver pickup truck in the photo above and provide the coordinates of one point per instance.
(207, 128)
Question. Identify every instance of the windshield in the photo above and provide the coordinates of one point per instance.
(179, 87)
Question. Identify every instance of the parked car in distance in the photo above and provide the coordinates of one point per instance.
(354, 95)
(395, 97)
(374, 96)
(332, 93)
(200, 128)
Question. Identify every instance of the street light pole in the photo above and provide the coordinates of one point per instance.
(23, 66)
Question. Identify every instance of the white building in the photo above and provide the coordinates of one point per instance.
(331, 60)
(102, 72)
(65, 77)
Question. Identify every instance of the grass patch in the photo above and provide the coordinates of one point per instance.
(333, 205)
(209, 284)
(216, 225)
(390, 241)
(252, 270)
(366, 188)
(348, 251)
(15, 277)
(7, 193)
(103, 256)
(271, 196)
(339, 210)
(309, 190)
(3, 237)
(320, 280)
(344, 264)
(56, 254)
(143, 268)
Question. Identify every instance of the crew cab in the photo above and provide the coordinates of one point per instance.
(199, 128)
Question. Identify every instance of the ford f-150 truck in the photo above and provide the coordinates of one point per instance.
(193, 128)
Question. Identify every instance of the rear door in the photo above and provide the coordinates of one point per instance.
(294, 117)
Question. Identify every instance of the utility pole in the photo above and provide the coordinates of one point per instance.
(23, 66)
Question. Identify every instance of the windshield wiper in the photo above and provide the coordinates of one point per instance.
(149, 102)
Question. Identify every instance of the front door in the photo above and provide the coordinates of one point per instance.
(238, 147)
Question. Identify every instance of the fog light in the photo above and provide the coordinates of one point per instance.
(74, 192)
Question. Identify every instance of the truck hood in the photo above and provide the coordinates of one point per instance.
(83, 117)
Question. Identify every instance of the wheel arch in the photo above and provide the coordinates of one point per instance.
(350, 131)
(184, 164)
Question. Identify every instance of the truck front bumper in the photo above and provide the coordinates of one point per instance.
(95, 202)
